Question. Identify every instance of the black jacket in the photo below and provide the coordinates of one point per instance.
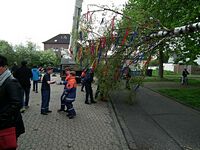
(24, 75)
(88, 77)
(11, 96)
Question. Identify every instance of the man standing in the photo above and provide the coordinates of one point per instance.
(45, 90)
(88, 86)
(36, 77)
(14, 68)
(184, 77)
(10, 100)
(24, 75)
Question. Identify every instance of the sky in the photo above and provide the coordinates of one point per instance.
(39, 20)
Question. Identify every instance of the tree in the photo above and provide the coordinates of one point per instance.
(129, 38)
(48, 58)
(22, 53)
(35, 57)
(156, 15)
(7, 50)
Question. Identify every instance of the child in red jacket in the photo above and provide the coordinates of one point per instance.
(70, 94)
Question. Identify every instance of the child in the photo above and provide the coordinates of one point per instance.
(62, 100)
(70, 94)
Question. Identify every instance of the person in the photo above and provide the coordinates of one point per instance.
(14, 68)
(41, 70)
(88, 86)
(82, 80)
(62, 100)
(184, 76)
(127, 72)
(35, 78)
(10, 100)
(70, 94)
(24, 75)
(45, 90)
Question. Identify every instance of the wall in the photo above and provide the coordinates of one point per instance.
(176, 68)
(168, 67)
(191, 69)
(56, 46)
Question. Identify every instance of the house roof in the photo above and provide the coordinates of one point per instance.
(59, 39)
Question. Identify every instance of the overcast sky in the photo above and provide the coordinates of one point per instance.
(39, 20)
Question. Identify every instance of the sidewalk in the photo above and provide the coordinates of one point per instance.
(156, 122)
(94, 128)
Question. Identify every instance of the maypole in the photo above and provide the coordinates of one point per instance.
(75, 27)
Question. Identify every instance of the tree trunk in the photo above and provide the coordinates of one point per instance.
(161, 58)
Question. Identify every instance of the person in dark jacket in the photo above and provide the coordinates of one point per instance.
(14, 68)
(11, 96)
(88, 79)
(127, 72)
(46, 90)
(24, 75)
(184, 77)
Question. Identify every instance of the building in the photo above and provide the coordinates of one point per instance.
(58, 43)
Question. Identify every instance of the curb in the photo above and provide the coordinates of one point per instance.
(124, 131)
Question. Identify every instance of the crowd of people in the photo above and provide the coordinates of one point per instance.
(15, 87)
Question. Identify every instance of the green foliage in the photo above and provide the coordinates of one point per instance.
(105, 79)
(150, 16)
(30, 53)
(188, 49)
(144, 17)
(48, 58)
(165, 13)
(7, 51)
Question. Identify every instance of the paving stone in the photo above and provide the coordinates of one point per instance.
(93, 127)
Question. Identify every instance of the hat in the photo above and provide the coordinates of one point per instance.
(73, 72)
(49, 68)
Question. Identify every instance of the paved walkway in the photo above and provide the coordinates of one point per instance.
(94, 128)
(156, 122)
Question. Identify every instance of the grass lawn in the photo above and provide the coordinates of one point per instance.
(190, 96)
(193, 80)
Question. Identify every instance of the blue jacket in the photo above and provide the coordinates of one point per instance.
(36, 74)
(70, 89)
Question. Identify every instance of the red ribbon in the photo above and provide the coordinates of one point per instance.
(125, 36)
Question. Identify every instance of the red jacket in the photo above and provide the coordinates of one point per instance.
(70, 89)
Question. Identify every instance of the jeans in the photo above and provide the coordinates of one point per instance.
(70, 108)
(45, 100)
(89, 92)
(26, 93)
(62, 101)
(35, 86)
